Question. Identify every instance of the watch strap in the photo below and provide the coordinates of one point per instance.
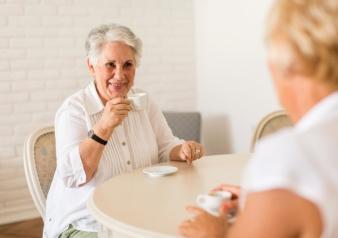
(95, 137)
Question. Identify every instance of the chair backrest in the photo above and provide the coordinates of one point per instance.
(185, 125)
(40, 165)
(270, 124)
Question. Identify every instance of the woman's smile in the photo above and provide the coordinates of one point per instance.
(117, 87)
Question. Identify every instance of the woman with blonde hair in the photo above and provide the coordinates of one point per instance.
(290, 186)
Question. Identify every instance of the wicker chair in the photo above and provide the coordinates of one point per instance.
(185, 125)
(270, 124)
(40, 165)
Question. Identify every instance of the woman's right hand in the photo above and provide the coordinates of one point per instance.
(235, 190)
(115, 111)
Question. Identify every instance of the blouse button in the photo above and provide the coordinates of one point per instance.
(128, 162)
(123, 143)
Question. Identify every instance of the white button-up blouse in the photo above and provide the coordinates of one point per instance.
(144, 138)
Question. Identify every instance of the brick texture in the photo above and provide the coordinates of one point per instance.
(42, 61)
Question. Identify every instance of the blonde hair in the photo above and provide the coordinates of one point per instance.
(302, 35)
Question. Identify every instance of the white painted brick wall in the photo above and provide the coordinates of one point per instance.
(42, 61)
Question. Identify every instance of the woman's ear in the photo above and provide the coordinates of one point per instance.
(90, 67)
(279, 73)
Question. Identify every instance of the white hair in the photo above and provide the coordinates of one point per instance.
(103, 34)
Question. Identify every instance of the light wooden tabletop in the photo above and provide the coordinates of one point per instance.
(141, 206)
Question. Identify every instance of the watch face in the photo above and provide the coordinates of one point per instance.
(90, 133)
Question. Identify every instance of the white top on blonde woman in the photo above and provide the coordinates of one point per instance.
(304, 160)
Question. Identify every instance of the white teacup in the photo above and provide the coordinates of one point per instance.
(212, 202)
(138, 101)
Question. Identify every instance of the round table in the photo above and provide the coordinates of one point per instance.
(136, 205)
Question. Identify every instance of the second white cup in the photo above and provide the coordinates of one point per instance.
(212, 202)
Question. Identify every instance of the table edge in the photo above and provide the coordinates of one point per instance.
(119, 226)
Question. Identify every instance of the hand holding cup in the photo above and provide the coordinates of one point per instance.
(115, 111)
(212, 202)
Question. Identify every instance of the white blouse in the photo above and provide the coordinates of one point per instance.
(144, 138)
(304, 160)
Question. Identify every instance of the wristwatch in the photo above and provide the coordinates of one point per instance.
(95, 137)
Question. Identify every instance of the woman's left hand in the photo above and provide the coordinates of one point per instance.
(190, 151)
(204, 224)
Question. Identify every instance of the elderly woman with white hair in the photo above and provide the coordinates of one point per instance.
(290, 187)
(99, 134)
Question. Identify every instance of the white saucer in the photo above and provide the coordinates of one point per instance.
(157, 171)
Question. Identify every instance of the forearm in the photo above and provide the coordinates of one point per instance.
(91, 152)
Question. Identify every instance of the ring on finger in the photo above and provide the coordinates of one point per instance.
(197, 152)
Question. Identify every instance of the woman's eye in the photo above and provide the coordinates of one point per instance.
(110, 65)
(128, 65)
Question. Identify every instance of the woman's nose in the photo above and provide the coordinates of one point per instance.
(119, 73)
